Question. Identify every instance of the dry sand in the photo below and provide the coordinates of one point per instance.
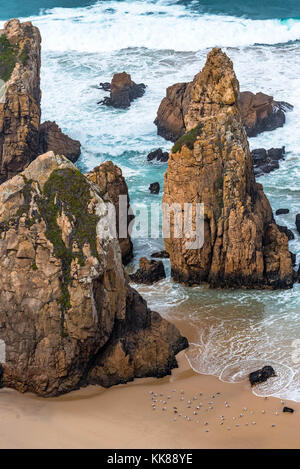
(122, 417)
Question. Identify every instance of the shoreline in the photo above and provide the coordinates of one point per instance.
(122, 416)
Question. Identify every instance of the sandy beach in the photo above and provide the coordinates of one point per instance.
(227, 416)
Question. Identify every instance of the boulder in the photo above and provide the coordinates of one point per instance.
(51, 138)
(259, 111)
(123, 91)
(149, 272)
(158, 155)
(154, 188)
(22, 138)
(288, 410)
(260, 376)
(265, 161)
(282, 211)
(68, 317)
(212, 165)
(112, 184)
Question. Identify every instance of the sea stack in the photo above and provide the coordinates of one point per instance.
(68, 316)
(211, 164)
(22, 138)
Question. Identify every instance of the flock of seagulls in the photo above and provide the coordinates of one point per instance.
(200, 409)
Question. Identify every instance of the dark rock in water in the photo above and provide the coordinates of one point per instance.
(261, 113)
(154, 188)
(105, 86)
(158, 155)
(260, 376)
(282, 211)
(160, 255)
(149, 272)
(288, 410)
(287, 231)
(265, 161)
(123, 91)
(298, 222)
(51, 138)
(293, 256)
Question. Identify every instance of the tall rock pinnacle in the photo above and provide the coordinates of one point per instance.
(211, 164)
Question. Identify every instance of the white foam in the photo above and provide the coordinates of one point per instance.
(111, 26)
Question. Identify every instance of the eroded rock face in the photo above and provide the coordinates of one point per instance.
(260, 113)
(22, 138)
(122, 91)
(51, 138)
(67, 314)
(112, 184)
(212, 164)
(183, 107)
(20, 61)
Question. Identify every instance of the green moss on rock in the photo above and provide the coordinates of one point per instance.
(188, 139)
(8, 58)
(68, 191)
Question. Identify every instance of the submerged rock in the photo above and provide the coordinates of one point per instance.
(22, 138)
(112, 184)
(212, 165)
(158, 155)
(149, 272)
(259, 112)
(53, 139)
(123, 91)
(260, 376)
(68, 317)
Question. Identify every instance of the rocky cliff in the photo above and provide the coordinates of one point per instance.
(211, 164)
(67, 314)
(260, 112)
(20, 99)
(112, 184)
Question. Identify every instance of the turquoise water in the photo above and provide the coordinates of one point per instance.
(160, 43)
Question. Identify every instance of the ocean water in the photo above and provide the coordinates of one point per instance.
(160, 43)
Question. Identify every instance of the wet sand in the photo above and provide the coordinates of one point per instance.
(228, 416)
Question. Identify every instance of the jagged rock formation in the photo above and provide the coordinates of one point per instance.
(259, 112)
(67, 314)
(158, 155)
(212, 164)
(112, 184)
(122, 91)
(149, 271)
(51, 138)
(21, 136)
(265, 161)
(20, 62)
